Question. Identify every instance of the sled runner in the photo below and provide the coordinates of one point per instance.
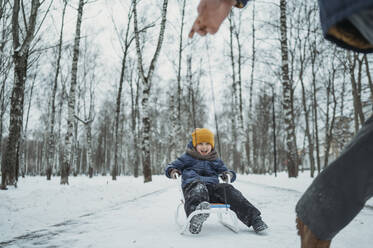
(225, 215)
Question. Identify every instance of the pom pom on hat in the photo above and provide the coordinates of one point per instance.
(201, 135)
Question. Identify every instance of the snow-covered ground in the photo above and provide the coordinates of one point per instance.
(99, 212)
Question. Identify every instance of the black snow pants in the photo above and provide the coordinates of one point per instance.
(197, 192)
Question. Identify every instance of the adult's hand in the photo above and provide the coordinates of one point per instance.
(211, 14)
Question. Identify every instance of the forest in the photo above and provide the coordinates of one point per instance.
(110, 87)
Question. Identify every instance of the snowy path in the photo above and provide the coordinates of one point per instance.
(148, 221)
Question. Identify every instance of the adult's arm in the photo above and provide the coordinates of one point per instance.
(340, 191)
(348, 23)
(211, 14)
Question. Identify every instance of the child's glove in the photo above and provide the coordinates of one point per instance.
(174, 172)
(224, 176)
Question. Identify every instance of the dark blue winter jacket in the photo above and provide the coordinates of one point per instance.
(333, 12)
(193, 169)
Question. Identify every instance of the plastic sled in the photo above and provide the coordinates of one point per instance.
(225, 215)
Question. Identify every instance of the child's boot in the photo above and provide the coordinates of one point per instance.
(308, 239)
(196, 222)
(258, 224)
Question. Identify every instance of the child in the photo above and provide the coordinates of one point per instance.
(200, 167)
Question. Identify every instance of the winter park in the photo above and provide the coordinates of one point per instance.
(177, 123)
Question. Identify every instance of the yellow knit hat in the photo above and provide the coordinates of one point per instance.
(201, 135)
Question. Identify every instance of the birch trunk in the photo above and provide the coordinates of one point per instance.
(240, 99)
(250, 121)
(23, 141)
(303, 45)
(51, 139)
(88, 130)
(179, 89)
(329, 127)
(173, 118)
(135, 127)
(2, 112)
(234, 103)
(89, 150)
(356, 89)
(308, 130)
(75, 146)
(60, 145)
(65, 167)
(370, 82)
(114, 172)
(126, 45)
(5, 64)
(178, 125)
(146, 81)
(314, 104)
(20, 58)
(292, 155)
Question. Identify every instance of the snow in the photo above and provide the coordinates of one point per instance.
(99, 212)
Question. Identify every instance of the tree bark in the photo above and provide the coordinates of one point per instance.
(292, 155)
(20, 58)
(23, 141)
(88, 129)
(51, 139)
(359, 115)
(181, 35)
(5, 64)
(370, 82)
(146, 81)
(329, 127)
(306, 119)
(253, 60)
(65, 167)
(314, 104)
(234, 103)
(126, 45)
(114, 172)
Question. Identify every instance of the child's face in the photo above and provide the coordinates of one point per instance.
(204, 148)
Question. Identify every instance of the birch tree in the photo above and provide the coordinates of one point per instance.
(146, 79)
(23, 141)
(51, 136)
(89, 67)
(292, 155)
(370, 81)
(240, 122)
(5, 62)
(177, 125)
(330, 118)
(303, 64)
(135, 93)
(125, 44)
(21, 47)
(252, 67)
(234, 98)
(88, 131)
(313, 58)
(353, 62)
(65, 167)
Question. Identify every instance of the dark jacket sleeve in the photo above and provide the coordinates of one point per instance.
(178, 164)
(336, 26)
(340, 191)
(222, 168)
(241, 3)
